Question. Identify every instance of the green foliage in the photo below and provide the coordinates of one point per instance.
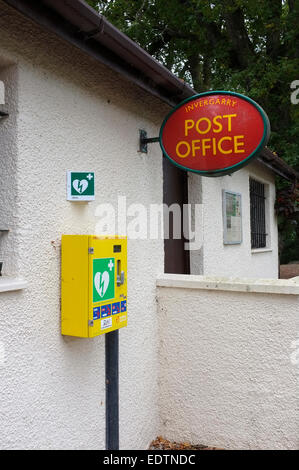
(247, 46)
(287, 210)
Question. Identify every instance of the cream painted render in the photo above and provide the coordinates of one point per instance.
(229, 361)
(68, 112)
(234, 260)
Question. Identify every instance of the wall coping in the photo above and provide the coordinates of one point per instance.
(8, 284)
(263, 286)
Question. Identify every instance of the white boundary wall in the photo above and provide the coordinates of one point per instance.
(227, 361)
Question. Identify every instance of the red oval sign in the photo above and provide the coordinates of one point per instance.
(214, 133)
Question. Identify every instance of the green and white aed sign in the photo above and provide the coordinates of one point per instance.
(80, 186)
(103, 279)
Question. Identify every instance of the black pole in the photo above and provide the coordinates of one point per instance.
(112, 390)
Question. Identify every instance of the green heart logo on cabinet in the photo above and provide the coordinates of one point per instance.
(103, 279)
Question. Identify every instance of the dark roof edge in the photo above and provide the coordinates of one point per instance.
(79, 24)
(76, 22)
(277, 165)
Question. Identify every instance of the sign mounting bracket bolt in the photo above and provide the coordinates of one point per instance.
(3, 114)
(144, 140)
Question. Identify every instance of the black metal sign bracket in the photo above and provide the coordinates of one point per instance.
(144, 140)
(3, 114)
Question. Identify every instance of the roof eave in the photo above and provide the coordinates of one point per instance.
(272, 161)
(77, 23)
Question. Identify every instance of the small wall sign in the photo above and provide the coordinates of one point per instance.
(2, 92)
(214, 133)
(232, 218)
(80, 186)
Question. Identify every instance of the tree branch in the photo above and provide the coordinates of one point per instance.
(241, 44)
(273, 41)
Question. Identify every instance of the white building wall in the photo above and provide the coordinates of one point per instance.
(8, 151)
(68, 112)
(229, 361)
(234, 260)
(71, 113)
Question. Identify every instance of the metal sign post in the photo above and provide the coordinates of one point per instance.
(112, 390)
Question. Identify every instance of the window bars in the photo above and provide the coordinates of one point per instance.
(257, 214)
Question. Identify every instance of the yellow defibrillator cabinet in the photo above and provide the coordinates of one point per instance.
(93, 285)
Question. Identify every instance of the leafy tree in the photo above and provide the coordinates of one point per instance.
(287, 210)
(248, 46)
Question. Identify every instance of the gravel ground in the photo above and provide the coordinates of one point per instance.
(164, 444)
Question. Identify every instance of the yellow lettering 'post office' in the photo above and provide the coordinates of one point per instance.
(93, 285)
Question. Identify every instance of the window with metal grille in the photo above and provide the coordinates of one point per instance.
(258, 214)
